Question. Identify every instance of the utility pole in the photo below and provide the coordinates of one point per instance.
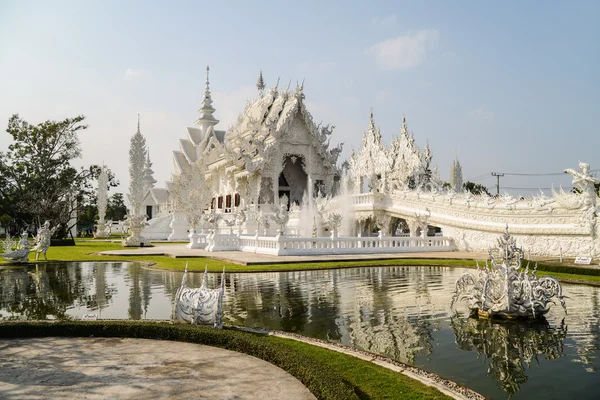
(497, 175)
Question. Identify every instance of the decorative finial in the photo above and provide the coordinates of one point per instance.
(138, 123)
(207, 70)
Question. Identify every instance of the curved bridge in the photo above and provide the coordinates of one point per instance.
(564, 224)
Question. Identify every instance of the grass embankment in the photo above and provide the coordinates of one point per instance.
(326, 373)
(86, 251)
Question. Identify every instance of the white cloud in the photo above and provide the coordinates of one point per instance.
(404, 52)
(135, 74)
(387, 21)
(481, 113)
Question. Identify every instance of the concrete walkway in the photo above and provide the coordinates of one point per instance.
(239, 257)
(117, 368)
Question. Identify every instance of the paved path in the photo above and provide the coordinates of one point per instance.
(117, 368)
(239, 257)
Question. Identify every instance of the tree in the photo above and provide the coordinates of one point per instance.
(116, 209)
(38, 181)
(475, 188)
(191, 193)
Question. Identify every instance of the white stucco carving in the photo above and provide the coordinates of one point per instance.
(101, 193)
(275, 154)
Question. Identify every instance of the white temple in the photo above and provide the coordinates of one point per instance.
(276, 188)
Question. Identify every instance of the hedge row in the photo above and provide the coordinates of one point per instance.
(319, 379)
(564, 269)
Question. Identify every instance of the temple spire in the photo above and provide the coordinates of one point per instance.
(149, 180)
(138, 131)
(206, 109)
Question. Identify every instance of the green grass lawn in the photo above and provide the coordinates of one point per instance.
(374, 382)
(85, 250)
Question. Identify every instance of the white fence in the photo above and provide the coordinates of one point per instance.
(294, 246)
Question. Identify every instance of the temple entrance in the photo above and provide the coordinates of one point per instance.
(293, 180)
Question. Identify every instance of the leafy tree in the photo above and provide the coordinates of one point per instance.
(475, 188)
(38, 181)
(116, 209)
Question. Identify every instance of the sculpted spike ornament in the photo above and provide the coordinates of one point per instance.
(502, 291)
(199, 306)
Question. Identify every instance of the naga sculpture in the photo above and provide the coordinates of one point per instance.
(20, 253)
(42, 240)
(199, 306)
(502, 291)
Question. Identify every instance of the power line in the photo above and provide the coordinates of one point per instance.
(525, 174)
(527, 188)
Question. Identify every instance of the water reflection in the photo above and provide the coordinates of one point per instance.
(400, 312)
(509, 347)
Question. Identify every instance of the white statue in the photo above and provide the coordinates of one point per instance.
(42, 240)
(101, 193)
(199, 306)
(281, 216)
(20, 253)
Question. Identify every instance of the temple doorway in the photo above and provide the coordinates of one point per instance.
(293, 180)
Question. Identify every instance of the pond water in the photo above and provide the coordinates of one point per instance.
(400, 312)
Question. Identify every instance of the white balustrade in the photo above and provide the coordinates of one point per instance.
(283, 245)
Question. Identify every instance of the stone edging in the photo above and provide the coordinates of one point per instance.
(445, 386)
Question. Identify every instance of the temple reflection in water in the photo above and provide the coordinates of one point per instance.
(400, 312)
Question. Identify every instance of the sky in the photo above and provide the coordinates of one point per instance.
(508, 87)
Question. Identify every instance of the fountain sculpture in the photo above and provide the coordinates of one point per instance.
(20, 253)
(199, 306)
(502, 291)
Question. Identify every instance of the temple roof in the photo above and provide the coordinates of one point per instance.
(271, 112)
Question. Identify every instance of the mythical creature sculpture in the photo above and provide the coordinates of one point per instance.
(262, 219)
(213, 219)
(335, 221)
(583, 179)
(334, 153)
(199, 306)
(20, 253)
(502, 291)
(281, 216)
(42, 240)
(240, 214)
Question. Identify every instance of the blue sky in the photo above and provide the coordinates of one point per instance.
(508, 86)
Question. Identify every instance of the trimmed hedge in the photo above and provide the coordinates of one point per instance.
(316, 376)
(563, 269)
(62, 242)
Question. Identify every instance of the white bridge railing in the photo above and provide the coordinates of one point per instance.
(295, 246)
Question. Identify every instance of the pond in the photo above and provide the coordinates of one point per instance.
(400, 312)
